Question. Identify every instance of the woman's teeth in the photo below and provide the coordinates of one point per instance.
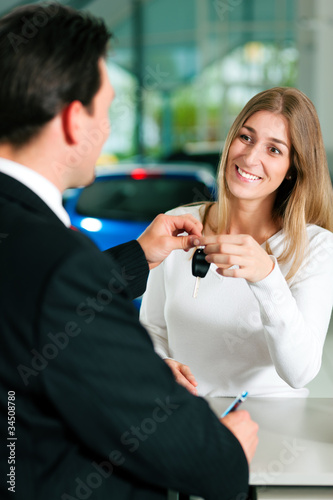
(247, 176)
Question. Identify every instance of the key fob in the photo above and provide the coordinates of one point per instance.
(199, 264)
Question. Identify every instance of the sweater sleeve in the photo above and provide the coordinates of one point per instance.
(152, 311)
(296, 317)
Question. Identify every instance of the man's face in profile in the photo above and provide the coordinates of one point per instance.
(97, 128)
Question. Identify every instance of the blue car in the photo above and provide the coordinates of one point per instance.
(124, 199)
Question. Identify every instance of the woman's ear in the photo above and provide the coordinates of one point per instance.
(72, 116)
(291, 174)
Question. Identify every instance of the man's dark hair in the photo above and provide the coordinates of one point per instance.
(49, 57)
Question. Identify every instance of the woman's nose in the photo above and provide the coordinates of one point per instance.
(253, 155)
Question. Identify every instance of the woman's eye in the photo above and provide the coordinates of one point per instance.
(245, 138)
(275, 150)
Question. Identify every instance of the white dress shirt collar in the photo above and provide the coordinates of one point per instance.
(41, 186)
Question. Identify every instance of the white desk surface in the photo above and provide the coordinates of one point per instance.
(295, 440)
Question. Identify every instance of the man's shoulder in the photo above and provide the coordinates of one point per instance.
(54, 240)
(36, 243)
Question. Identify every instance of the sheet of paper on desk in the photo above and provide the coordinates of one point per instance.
(294, 493)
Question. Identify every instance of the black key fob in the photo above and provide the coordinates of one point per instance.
(199, 264)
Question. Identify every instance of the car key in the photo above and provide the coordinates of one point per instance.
(199, 268)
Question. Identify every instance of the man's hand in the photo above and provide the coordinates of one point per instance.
(161, 237)
(240, 424)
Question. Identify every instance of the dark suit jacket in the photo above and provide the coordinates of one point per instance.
(97, 413)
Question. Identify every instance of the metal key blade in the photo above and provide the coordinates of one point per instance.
(196, 287)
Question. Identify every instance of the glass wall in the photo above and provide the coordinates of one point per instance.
(201, 61)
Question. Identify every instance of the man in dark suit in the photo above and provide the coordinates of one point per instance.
(88, 410)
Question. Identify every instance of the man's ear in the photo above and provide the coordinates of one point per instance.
(72, 120)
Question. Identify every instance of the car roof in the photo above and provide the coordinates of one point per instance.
(202, 171)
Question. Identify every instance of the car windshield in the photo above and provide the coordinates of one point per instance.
(126, 198)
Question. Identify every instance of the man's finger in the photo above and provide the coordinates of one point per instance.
(236, 417)
(186, 223)
(184, 242)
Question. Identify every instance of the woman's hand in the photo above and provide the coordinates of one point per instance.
(228, 250)
(183, 375)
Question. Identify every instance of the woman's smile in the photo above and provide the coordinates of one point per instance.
(246, 176)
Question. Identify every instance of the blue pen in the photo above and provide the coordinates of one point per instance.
(234, 405)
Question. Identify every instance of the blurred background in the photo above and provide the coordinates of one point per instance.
(182, 70)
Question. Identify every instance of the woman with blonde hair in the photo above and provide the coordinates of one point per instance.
(262, 312)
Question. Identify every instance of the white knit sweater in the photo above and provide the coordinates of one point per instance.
(265, 337)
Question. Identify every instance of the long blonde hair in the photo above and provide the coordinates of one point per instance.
(305, 199)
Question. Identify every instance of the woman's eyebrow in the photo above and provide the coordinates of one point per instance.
(274, 139)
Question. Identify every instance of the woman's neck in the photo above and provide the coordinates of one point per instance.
(245, 218)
